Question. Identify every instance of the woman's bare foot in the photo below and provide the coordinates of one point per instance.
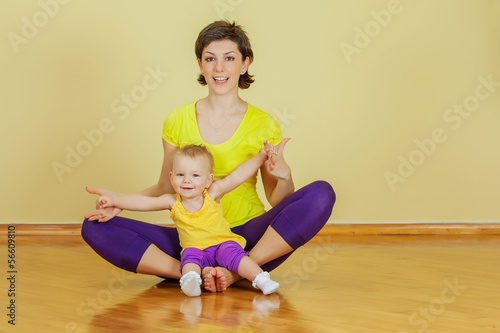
(213, 280)
(225, 278)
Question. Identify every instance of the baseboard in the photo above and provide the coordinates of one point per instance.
(412, 229)
(340, 229)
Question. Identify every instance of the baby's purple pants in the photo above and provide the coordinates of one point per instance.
(226, 254)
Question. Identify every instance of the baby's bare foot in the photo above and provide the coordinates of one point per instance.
(208, 275)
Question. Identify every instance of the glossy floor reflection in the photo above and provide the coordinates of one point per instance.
(334, 284)
(164, 308)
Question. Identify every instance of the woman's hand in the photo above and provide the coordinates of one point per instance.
(103, 212)
(275, 163)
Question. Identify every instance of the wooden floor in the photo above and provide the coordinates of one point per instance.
(333, 284)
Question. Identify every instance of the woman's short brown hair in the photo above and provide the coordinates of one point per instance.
(220, 30)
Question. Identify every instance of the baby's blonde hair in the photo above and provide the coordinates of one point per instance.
(195, 151)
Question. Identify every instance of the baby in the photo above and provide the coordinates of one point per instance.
(205, 235)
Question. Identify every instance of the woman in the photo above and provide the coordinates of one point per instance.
(233, 130)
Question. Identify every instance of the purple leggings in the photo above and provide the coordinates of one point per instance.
(298, 218)
(227, 254)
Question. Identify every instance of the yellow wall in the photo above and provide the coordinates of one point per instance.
(386, 100)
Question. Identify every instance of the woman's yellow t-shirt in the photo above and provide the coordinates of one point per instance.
(242, 204)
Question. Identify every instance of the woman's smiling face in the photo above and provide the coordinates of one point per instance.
(222, 64)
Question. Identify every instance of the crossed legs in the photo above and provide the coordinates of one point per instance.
(151, 249)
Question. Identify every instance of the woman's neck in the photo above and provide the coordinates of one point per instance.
(223, 104)
(219, 118)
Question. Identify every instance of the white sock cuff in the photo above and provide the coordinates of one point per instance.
(260, 276)
(188, 274)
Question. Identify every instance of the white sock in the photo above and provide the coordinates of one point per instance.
(263, 282)
(190, 283)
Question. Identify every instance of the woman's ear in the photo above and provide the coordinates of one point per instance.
(246, 63)
(201, 68)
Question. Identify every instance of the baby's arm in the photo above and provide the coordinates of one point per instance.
(238, 176)
(138, 202)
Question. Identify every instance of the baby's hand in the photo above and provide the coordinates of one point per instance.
(104, 201)
(101, 214)
(269, 149)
